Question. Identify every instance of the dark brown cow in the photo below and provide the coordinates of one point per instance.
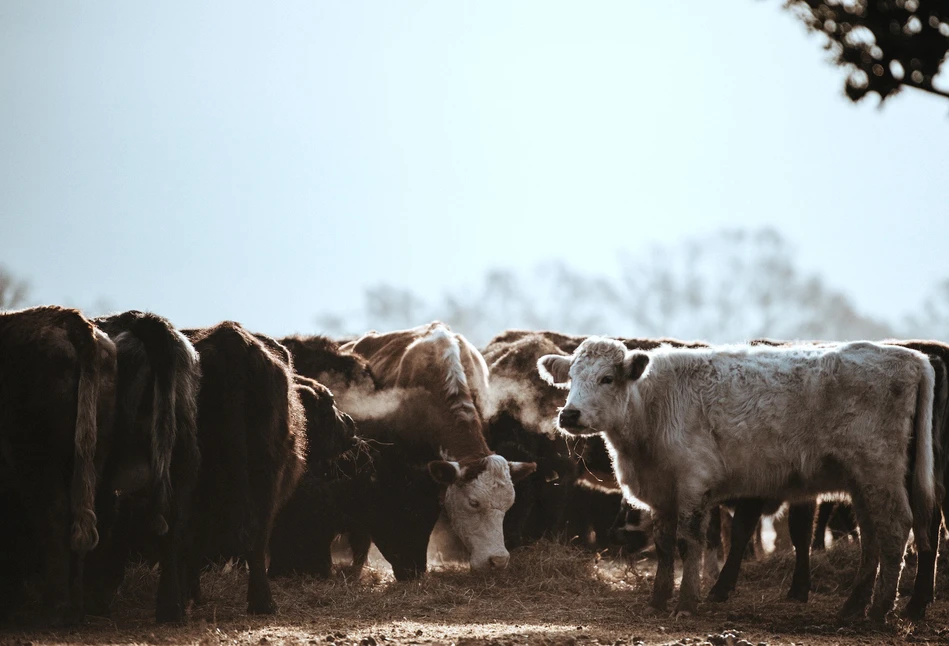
(251, 433)
(152, 453)
(57, 380)
(442, 366)
(374, 493)
(320, 358)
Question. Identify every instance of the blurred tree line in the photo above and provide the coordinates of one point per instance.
(884, 44)
(13, 291)
(731, 286)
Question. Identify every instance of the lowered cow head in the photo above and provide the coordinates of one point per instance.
(600, 375)
(477, 495)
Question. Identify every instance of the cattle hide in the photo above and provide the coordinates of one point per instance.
(689, 428)
(57, 390)
(251, 434)
(151, 453)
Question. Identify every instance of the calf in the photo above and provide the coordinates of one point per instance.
(688, 428)
(57, 389)
(572, 494)
(251, 434)
(151, 453)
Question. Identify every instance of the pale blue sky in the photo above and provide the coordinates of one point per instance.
(267, 161)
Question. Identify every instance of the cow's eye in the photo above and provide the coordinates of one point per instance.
(474, 503)
(606, 380)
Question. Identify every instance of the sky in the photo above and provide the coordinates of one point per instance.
(267, 162)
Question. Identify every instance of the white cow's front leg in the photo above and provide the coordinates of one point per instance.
(691, 531)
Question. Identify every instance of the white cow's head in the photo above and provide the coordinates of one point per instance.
(599, 375)
(477, 495)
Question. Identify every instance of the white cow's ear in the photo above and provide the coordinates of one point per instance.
(555, 369)
(444, 472)
(520, 470)
(634, 365)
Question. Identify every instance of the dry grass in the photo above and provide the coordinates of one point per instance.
(551, 594)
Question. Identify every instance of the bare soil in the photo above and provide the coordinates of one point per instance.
(551, 594)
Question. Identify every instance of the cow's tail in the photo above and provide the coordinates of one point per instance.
(924, 494)
(173, 361)
(84, 536)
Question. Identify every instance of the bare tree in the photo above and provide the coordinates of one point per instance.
(728, 286)
(13, 291)
(932, 319)
(736, 285)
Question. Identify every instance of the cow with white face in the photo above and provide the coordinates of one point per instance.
(690, 428)
(440, 383)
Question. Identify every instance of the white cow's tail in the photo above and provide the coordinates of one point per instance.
(923, 493)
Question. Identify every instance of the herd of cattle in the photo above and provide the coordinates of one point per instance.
(123, 438)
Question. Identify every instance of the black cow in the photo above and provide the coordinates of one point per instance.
(152, 453)
(378, 492)
(57, 389)
(319, 358)
(251, 434)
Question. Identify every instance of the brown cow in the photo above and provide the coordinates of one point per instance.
(252, 437)
(152, 453)
(57, 389)
(442, 366)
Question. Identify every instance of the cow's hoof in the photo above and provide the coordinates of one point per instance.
(267, 607)
(717, 596)
(656, 610)
(914, 611)
(851, 613)
(798, 595)
(683, 614)
(407, 574)
(173, 614)
(877, 616)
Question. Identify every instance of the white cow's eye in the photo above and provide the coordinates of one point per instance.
(606, 380)
(474, 503)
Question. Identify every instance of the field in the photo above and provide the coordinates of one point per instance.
(551, 594)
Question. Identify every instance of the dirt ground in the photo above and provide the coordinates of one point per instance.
(551, 594)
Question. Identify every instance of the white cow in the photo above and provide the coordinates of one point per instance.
(688, 428)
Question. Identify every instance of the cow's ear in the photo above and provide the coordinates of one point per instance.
(635, 365)
(444, 472)
(520, 470)
(555, 369)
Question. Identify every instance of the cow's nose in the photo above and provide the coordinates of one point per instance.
(570, 417)
(499, 562)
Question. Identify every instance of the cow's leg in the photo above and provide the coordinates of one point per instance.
(801, 528)
(169, 604)
(747, 515)
(664, 536)
(925, 583)
(47, 502)
(105, 565)
(856, 604)
(175, 556)
(691, 529)
(893, 524)
(259, 598)
(713, 544)
(359, 542)
(820, 526)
